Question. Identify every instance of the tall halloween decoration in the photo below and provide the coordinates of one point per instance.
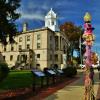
(88, 41)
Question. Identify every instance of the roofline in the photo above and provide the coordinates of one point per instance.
(35, 30)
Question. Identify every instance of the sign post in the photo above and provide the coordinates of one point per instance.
(37, 74)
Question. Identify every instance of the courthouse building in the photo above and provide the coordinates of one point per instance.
(38, 48)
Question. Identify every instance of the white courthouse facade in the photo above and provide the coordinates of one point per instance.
(39, 48)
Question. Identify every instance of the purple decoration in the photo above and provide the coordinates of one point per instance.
(88, 82)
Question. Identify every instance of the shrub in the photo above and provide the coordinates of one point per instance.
(4, 70)
(70, 71)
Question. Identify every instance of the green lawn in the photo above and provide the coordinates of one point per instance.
(20, 79)
(17, 79)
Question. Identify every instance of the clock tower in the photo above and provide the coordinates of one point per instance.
(51, 21)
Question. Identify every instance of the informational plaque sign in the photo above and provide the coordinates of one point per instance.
(51, 72)
(38, 73)
(60, 71)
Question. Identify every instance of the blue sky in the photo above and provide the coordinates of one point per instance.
(34, 11)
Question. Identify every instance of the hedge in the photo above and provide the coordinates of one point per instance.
(4, 70)
(70, 71)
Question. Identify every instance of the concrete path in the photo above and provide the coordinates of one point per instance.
(75, 90)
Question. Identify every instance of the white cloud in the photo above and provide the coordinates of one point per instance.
(32, 16)
(27, 15)
(34, 10)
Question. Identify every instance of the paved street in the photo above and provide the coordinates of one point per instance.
(75, 90)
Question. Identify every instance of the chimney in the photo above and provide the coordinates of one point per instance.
(24, 27)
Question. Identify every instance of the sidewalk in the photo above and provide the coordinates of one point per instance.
(75, 90)
(98, 93)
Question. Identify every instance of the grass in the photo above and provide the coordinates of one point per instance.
(20, 79)
(17, 79)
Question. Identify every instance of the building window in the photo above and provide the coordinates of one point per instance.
(38, 41)
(61, 59)
(38, 55)
(28, 38)
(60, 43)
(11, 57)
(51, 47)
(52, 22)
(23, 58)
(50, 38)
(26, 57)
(56, 42)
(4, 48)
(38, 45)
(4, 58)
(12, 48)
(20, 47)
(31, 56)
(56, 57)
(38, 36)
(28, 46)
(64, 49)
(20, 39)
(50, 57)
(38, 66)
(18, 58)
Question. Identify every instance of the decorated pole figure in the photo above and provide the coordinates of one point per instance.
(88, 61)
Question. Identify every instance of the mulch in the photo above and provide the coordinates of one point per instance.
(14, 94)
(39, 94)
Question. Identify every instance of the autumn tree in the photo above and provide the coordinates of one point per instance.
(8, 16)
(73, 34)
